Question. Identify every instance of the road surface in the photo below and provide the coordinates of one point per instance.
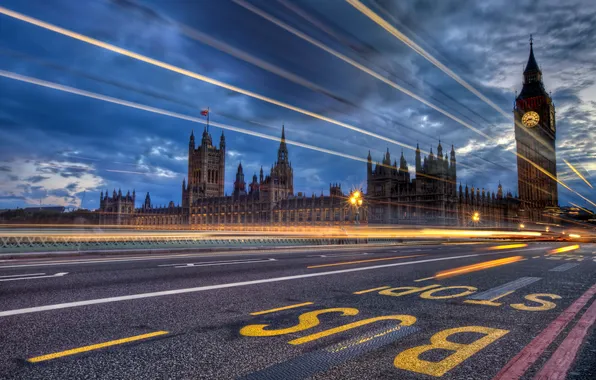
(402, 312)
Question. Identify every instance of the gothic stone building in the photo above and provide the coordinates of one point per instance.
(392, 197)
(267, 200)
(432, 197)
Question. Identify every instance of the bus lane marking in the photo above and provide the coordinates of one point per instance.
(308, 365)
(410, 359)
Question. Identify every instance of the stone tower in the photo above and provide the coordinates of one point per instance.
(206, 169)
(535, 135)
(282, 175)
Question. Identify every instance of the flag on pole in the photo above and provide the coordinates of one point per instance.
(206, 113)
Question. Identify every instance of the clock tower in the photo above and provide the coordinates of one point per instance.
(535, 135)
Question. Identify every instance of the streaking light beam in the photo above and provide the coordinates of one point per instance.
(167, 66)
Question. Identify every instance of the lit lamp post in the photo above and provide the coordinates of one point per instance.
(356, 201)
(522, 226)
(476, 217)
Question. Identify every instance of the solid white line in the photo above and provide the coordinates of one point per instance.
(33, 278)
(191, 265)
(223, 262)
(37, 309)
(22, 275)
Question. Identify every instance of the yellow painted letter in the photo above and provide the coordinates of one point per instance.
(429, 294)
(409, 359)
(406, 320)
(306, 321)
(405, 290)
(544, 305)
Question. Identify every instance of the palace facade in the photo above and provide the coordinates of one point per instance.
(392, 197)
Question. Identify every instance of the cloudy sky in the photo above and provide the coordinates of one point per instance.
(62, 148)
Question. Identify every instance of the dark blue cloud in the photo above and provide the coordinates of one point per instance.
(85, 145)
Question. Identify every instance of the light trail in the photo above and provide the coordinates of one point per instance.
(374, 74)
(581, 208)
(109, 99)
(167, 66)
(160, 111)
(350, 61)
(418, 49)
(215, 82)
(564, 249)
(508, 246)
(578, 173)
(477, 267)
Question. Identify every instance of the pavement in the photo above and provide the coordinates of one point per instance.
(451, 311)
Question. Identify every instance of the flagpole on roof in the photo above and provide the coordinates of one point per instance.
(208, 112)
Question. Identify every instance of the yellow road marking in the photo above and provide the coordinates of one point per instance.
(281, 308)
(364, 340)
(424, 279)
(490, 302)
(92, 347)
(371, 290)
(406, 320)
(361, 261)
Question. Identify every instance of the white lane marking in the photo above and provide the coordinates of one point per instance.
(22, 275)
(192, 265)
(34, 277)
(216, 262)
(346, 255)
(67, 305)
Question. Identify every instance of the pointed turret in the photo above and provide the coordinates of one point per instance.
(191, 142)
(403, 165)
(418, 159)
(222, 141)
(532, 65)
(532, 72)
(440, 150)
(261, 175)
(282, 152)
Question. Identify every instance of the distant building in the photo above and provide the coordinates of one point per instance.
(267, 200)
(432, 197)
(392, 197)
(116, 209)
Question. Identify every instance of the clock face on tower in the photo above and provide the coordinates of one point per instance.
(530, 119)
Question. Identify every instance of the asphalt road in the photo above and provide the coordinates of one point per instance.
(448, 311)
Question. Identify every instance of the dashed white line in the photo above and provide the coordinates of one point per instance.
(23, 275)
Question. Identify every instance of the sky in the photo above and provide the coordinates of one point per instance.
(60, 148)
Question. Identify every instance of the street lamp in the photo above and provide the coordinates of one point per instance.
(521, 226)
(356, 201)
(476, 217)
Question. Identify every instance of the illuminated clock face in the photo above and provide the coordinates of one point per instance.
(530, 119)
